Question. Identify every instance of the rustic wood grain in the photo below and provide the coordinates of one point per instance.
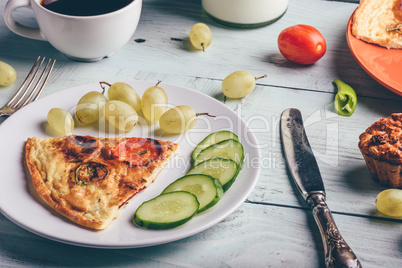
(255, 235)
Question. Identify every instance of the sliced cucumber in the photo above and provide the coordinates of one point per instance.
(207, 189)
(166, 211)
(225, 170)
(229, 149)
(213, 138)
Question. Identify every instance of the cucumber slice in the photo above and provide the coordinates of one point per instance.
(229, 149)
(166, 211)
(213, 138)
(207, 189)
(225, 170)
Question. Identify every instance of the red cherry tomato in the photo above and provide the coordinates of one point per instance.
(302, 44)
(137, 151)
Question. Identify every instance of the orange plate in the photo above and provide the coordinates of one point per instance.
(383, 64)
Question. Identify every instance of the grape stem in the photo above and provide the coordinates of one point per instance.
(264, 76)
(102, 83)
(207, 114)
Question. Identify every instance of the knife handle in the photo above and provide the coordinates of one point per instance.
(337, 251)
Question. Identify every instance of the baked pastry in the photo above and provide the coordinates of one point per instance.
(381, 147)
(88, 179)
(379, 22)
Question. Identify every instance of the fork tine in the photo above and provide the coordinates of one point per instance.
(25, 93)
(47, 70)
(28, 87)
(10, 102)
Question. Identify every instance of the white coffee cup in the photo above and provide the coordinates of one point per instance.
(84, 38)
(245, 13)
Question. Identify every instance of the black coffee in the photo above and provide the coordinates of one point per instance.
(84, 7)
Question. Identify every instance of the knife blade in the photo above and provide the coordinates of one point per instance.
(306, 175)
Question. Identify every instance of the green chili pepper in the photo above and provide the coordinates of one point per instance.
(345, 99)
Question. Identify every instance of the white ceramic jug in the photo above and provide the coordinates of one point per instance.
(245, 13)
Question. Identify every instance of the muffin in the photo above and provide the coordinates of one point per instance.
(381, 147)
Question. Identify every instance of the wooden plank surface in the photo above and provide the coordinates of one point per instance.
(232, 49)
(254, 236)
(274, 228)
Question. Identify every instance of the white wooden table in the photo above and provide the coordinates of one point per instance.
(274, 227)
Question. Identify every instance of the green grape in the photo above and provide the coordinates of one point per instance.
(89, 107)
(124, 92)
(120, 115)
(60, 120)
(239, 84)
(154, 103)
(178, 119)
(200, 36)
(8, 75)
(389, 202)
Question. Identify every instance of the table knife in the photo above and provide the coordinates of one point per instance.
(305, 172)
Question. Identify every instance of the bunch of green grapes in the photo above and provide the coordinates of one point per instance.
(121, 110)
(200, 36)
(8, 75)
(239, 84)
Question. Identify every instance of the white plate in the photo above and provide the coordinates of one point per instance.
(23, 207)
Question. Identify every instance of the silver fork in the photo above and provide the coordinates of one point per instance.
(22, 98)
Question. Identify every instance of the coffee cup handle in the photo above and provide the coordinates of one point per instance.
(18, 28)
